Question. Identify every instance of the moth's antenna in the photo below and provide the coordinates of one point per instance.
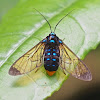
(45, 19)
(62, 19)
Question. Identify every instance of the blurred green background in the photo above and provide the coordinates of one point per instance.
(72, 89)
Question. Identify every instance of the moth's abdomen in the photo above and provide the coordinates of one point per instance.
(51, 58)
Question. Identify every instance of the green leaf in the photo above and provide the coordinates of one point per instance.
(22, 28)
(5, 6)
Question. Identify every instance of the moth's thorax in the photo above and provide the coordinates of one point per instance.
(52, 40)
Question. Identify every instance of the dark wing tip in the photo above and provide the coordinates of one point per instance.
(85, 76)
(13, 71)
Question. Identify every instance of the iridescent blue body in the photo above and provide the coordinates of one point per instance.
(51, 52)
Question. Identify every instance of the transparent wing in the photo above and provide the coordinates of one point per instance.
(31, 60)
(70, 63)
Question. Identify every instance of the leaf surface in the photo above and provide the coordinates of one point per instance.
(22, 28)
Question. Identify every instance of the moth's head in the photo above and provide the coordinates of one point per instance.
(52, 34)
(51, 39)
